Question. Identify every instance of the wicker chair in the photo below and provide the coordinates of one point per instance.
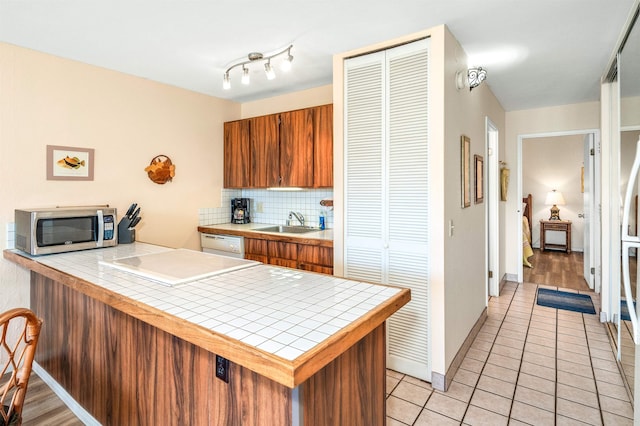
(19, 331)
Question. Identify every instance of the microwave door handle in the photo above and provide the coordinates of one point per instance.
(100, 228)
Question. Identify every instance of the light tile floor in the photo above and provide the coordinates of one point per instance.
(528, 365)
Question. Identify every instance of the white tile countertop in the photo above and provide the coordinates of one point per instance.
(285, 313)
(251, 229)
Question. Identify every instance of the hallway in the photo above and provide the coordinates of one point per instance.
(528, 365)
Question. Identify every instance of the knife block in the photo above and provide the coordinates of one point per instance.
(126, 235)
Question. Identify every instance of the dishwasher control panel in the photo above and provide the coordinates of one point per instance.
(230, 245)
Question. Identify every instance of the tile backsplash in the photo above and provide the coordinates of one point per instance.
(272, 207)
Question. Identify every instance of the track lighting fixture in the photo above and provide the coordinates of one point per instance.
(257, 57)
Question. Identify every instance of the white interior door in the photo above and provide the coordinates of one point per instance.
(492, 203)
(587, 216)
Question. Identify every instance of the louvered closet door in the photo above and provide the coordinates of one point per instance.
(386, 190)
(408, 206)
(365, 219)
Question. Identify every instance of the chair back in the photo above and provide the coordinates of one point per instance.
(19, 331)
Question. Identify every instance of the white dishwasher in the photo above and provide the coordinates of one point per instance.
(224, 245)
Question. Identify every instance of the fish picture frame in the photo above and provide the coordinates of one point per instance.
(69, 163)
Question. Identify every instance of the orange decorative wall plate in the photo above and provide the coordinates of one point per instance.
(161, 170)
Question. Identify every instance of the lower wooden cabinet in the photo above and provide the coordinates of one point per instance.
(291, 255)
(315, 258)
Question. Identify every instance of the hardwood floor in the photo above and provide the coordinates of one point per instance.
(556, 268)
(43, 407)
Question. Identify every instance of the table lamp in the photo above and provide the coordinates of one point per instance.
(553, 199)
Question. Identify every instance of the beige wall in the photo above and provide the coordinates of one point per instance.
(465, 286)
(556, 119)
(303, 99)
(47, 100)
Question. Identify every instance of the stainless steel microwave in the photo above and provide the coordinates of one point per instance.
(62, 229)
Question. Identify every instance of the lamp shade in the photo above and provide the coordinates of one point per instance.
(554, 198)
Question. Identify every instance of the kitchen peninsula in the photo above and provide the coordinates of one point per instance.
(302, 348)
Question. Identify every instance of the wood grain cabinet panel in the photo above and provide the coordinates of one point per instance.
(293, 148)
(315, 259)
(257, 257)
(315, 268)
(255, 246)
(287, 263)
(265, 151)
(127, 372)
(237, 160)
(296, 148)
(315, 254)
(283, 250)
(323, 146)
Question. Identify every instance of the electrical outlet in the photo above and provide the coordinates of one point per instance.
(259, 207)
(222, 368)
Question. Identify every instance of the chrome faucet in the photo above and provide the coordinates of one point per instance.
(297, 216)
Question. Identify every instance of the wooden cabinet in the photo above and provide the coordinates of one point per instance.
(292, 149)
(256, 249)
(315, 258)
(236, 154)
(283, 254)
(323, 146)
(307, 257)
(265, 151)
(296, 148)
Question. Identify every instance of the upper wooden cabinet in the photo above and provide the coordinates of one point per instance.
(265, 151)
(296, 148)
(293, 148)
(237, 171)
(323, 146)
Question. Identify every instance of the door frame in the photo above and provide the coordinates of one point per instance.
(492, 229)
(595, 217)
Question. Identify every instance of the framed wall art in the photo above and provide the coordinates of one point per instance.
(479, 178)
(465, 172)
(69, 163)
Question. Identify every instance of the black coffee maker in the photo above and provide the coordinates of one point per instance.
(240, 210)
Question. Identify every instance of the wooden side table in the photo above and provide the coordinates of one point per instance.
(559, 226)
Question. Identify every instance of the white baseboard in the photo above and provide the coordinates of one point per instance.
(76, 408)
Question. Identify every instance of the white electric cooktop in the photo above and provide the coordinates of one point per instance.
(178, 266)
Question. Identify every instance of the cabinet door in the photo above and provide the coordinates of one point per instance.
(283, 250)
(323, 146)
(315, 255)
(256, 257)
(287, 263)
(315, 268)
(255, 246)
(265, 172)
(296, 148)
(236, 154)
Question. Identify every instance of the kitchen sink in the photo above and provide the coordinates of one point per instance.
(290, 229)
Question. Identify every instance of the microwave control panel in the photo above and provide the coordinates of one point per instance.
(109, 226)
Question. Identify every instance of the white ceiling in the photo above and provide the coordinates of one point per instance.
(537, 52)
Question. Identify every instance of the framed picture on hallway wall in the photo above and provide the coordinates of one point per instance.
(69, 163)
(465, 170)
(479, 178)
